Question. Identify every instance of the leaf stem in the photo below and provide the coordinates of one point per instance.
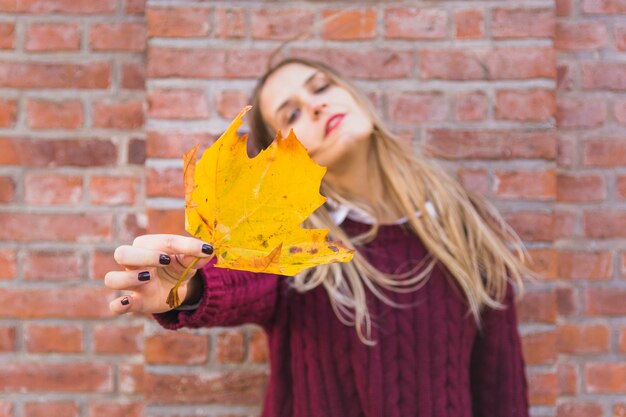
(172, 299)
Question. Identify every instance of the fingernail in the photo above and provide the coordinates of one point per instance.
(125, 301)
(208, 249)
(144, 276)
(164, 259)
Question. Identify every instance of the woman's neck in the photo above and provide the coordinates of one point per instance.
(360, 178)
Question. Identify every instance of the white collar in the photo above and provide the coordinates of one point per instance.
(341, 212)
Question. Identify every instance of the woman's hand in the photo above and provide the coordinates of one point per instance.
(153, 264)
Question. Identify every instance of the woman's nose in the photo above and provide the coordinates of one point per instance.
(318, 108)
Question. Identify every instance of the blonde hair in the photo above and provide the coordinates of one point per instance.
(467, 235)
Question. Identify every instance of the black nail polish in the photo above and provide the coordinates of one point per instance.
(125, 301)
(164, 259)
(144, 276)
(208, 249)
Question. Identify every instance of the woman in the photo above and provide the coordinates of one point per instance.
(421, 322)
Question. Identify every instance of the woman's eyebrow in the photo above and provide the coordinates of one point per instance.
(307, 81)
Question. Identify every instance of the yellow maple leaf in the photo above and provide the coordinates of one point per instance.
(251, 209)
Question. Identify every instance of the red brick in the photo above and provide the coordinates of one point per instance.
(117, 340)
(177, 104)
(623, 266)
(52, 265)
(621, 342)
(539, 348)
(604, 76)
(241, 388)
(620, 38)
(566, 75)
(567, 151)
(525, 184)
(113, 190)
(604, 224)
(414, 23)
(134, 75)
(620, 187)
(490, 144)
(579, 409)
(177, 22)
(8, 112)
(619, 410)
(166, 221)
(135, 7)
(230, 23)
(605, 302)
(108, 409)
(532, 226)
(567, 378)
(8, 263)
(57, 227)
(417, 108)
(476, 180)
(563, 8)
(92, 75)
(51, 409)
(258, 347)
(230, 102)
(131, 226)
(469, 24)
(77, 377)
(470, 106)
(7, 340)
(137, 151)
(165, 144)
(230, 347)
(604, 6)
(53, 303)
(118, 37)
(346, 24)
(459, 64)
(73, 7)
(52, 189)
(537, 307)
(7, 35)
(580, 36)
(364, 63)
(583, 339)
(582, 112)
(6, 409)
(522, 23)
(192, 63)
(543, 263)
(46, 114)
(566, 301)
(619, 110)
(177, 348)
(53, 339)
(166, 182)
(7, 189)
(281, 23)
(605, 152)
(102, 262)
(530, 105)
(605, 378)
(520, 63)
(46, 37)
(581, 187)
(131, 378)
(110, 114)
(542, 389)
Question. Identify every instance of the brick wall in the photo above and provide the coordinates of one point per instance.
(524, 101)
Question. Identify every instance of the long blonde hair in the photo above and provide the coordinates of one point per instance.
(467, 235)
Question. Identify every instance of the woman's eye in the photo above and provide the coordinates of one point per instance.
(293, 116)
(322, 87)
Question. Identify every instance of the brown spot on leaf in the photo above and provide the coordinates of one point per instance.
(333, 248)
(313, 251)
(295, 249)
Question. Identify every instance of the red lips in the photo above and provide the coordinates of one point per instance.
(333, 122)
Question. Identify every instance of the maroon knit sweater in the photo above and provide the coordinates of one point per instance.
(430, 360)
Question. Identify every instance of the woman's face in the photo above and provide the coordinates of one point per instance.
(325, 117)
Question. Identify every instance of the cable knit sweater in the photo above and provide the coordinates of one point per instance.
(430, 360)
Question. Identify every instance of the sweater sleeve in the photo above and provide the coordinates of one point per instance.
(229, 298)
(497, 374)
